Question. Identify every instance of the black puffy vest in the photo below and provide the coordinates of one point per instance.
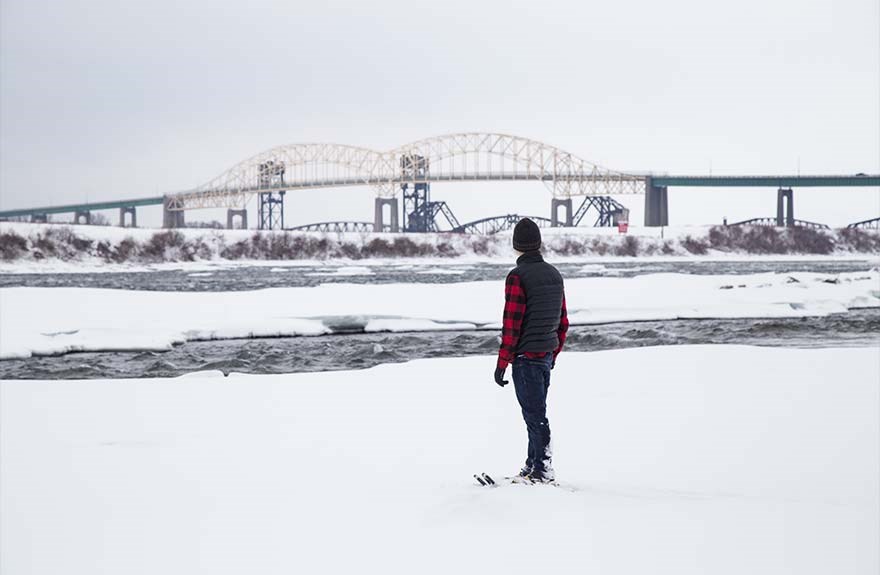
(542, 284)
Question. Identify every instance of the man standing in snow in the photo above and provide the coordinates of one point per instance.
(534, 328)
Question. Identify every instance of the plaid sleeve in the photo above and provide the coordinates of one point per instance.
(514, 309)
(562, 330)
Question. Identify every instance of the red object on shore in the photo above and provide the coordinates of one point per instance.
(622, 227)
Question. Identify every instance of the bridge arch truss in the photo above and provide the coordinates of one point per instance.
(478, 156)
(291, 167)
(462, 157)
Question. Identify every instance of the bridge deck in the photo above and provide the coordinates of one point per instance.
(815, 181)
(92, 207)
(829, 181)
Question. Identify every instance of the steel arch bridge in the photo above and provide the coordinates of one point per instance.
(463, 157)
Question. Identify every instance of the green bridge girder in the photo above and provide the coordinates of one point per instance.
(92, 207)
(831, 181)
(664, 181)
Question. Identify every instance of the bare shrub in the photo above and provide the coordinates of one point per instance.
(348, 250)
(405, 247)
(166, 246)
(628, 247)
(61, 243)
(283, 247)
(446, 250)
(377, 247)
(104, 250)
(770, 240)
(599, 246)
(667, 248)
(70, 244)
(808, 241)
(725, 237)
(319, 247)
(311, 247)
(44, 244)
(762, 240)
(277, 246)
(12, 246)
(694, 245)
(125, 251)
(236, 251)
(480, 246)
(568, 247)
(200, 249)
(259, 246)
(859, 240)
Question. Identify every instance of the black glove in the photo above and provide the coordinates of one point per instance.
(553, 363)
(499, 376)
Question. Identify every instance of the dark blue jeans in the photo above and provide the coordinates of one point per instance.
(531, 380)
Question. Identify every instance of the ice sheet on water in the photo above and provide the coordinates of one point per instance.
(119, 319)
(402, 324)
(343, 271)
(441, 271)
(592, 269)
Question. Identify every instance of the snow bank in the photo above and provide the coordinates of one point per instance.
(684, 460)
(92, 245)
(40, 321)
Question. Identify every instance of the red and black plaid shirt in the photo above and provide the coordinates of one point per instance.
(514, 311)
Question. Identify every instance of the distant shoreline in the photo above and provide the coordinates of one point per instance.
(39, 244)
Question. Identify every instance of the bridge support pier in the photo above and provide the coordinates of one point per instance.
(172, 218)
(39, 218)
(87, 215)
(785, 209)
(656, 205)
(379, 215)
(230, 218)
(128, 210)
(557, 203)
(271, 210)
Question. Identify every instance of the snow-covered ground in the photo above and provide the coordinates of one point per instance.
(207, 246)
(58, 320)
(115, 233)
(672, 460)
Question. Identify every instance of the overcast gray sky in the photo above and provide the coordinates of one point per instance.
(107, 99)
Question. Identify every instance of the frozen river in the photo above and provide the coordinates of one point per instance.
(164, 322)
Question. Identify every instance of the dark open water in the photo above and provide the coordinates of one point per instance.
(241, 278)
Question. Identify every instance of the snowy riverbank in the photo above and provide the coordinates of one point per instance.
(42, 244)
(41, 321)
(686, 460)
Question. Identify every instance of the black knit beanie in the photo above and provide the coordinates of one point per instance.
(526, 236)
